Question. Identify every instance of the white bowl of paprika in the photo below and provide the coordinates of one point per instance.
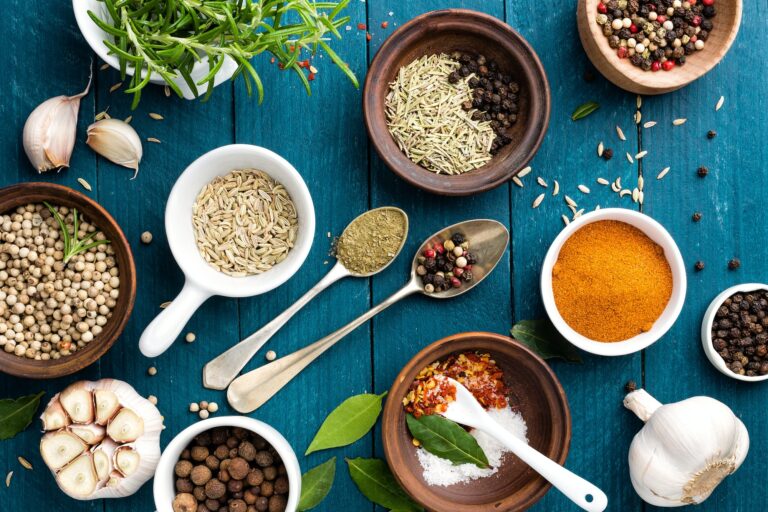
(613, 282)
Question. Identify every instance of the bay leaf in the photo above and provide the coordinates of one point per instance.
(316, 484)
(543, 338)
(350, 421)
(584, 110)
(374, 479)
(446, 439)
(16, 414)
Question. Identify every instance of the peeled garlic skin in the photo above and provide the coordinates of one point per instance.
(685, 450)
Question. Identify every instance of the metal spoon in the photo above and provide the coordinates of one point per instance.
(488, 239)
(467, 411)
(220, 371)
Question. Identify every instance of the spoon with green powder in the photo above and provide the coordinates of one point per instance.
(368, 245)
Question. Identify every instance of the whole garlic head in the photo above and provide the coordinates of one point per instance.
(102, 439)
(684, 450)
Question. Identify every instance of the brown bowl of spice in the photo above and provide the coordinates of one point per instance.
(519, 391)
(657, 46)
(613, 282)
(456, 102)
(67, 280)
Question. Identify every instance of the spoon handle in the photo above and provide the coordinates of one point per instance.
(251, 390)
(220, 371)
(583, 493)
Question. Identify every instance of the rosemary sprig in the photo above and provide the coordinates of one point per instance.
(167, 38)
(73, 246)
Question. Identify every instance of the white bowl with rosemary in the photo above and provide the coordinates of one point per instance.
(225, 239)
(200, 45)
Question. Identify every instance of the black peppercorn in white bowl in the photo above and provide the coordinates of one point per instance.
(743, 346)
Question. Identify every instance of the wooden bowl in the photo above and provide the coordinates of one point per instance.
(444, 32)
(58, 195)
(535, 392)
(631, 78)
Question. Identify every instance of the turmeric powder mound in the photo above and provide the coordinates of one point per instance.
(611, 282)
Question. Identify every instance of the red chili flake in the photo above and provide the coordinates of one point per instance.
(272, 60)
(292, 48)
(368, 36)
(280, 65)
(361, 26)
(311, 77)
(384, 24)
(304, 63)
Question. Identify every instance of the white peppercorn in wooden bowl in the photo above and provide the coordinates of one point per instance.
(59, 196)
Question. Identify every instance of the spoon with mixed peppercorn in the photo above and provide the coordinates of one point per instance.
(449, 263)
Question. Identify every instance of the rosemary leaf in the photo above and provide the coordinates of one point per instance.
(584, 110)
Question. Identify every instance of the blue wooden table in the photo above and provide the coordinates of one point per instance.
(323, 136)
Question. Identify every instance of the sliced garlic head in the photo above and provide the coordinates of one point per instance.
(126, 427)
(103, 439)
(107, 405)
(60, 448)
(77, 401)
(79, 478)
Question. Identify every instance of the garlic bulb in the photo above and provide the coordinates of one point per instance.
(684, 450)
(49, 133)
(102, 439)
(116, 141)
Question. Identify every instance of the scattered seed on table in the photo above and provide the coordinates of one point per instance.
(638, 117)
(101, 115)
(84, 184)
(640, 197)
(555, 188)
(696, 216)
(517, 181)
(616, 186)
(620, 133)
(153, 139)
(572, 208)
(190, 337)
(649, 124)
(128, 119)
(165, 304)
(583, 189)
(271, 355)
(524, 172)
(115, 87)
(639, 101)
(734, 264)
(680, 121)
(152, 399)
(146, 237)
(603, 181)
(203, 404)
(538, 200)
(635, 194)
(156, 117)
(213, 407)
(663, 173)
(8, 478)
(152, 371)
(24, 463)
(566, 220)
(167, 91)
(204, 414)
(640, 183)
(699, 266)
(625, 192)
(702, 171)
(104, 67)
(313, 70)
(720, 103)
(629, 157)
(570, 201)
(578, 214)
(600, 149)
(541, 181)
(193, 407)
(641, 154)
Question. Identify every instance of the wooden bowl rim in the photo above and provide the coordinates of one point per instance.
(646, 81)
(427, 355)
(495, 172)
(29, 368)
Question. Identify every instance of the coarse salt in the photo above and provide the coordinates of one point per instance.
(442, 472)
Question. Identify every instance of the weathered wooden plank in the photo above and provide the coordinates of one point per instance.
(731, 199)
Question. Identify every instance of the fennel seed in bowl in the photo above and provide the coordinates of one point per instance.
(426, 119)
(245, 223)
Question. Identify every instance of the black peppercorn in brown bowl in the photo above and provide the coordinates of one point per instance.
(534, 392)
(474, 33)
(739, 307)
(22, 194)
(243, 435)
(623, 73)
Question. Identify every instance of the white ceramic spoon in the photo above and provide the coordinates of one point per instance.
(466, 410)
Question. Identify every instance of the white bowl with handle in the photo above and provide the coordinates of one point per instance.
(95, 37)
(201, 279)
(164, 485)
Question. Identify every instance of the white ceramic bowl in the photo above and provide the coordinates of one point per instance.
(655, 232)
(202, 280)
(95, 37)
(706, 330)
(163, 488)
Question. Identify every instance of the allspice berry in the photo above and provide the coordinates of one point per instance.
(184, 485)
(264, 458)
(215, 489)
(281, 485)
(270, 472)
(221, 452)
(212, 462)
(247, 451)
(262, 504)
(238, 468)
(199, 453)
(699, 266)
(184, 502)
(702, 171)
(199, 493)
(267, 489)
(237, 506)
(183, 468)
(734, 263)
(200, 475)
(277, 503)
(255, 477)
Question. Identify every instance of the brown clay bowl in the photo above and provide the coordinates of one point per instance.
(631, 78)
(444, 32)
(24, 193)
(535, 392)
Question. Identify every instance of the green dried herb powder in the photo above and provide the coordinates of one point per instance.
(372, 240)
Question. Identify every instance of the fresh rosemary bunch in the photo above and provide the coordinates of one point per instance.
(73, 246)
(168, 37)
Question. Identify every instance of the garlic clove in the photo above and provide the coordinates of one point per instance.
(115, 479)
(126, 427)
(107, 405)
(103, 464)
(77, 400)
(60, 448)
(117, 141)
(78, 479)
(127, 460)
(91, 433)
(54, 417)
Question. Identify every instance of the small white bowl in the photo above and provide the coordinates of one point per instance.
(95, 37)
(164, 486)
(655, 232)
(706, 330)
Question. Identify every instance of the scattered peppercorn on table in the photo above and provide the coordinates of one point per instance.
(324, 138)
